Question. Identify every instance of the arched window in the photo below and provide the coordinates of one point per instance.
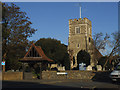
(73, 60)
(78, 45)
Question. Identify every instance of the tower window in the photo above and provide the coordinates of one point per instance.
(78, 45)
(77, 30)
(73, 60)
(89, 30)
(89, 39)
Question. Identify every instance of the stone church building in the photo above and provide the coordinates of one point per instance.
(80, 38)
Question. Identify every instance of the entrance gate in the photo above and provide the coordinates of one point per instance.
(34, 55)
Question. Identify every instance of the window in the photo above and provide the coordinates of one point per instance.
(78, 45)
(89, 30)
(73, 60)
(89, 39)
(77, 30)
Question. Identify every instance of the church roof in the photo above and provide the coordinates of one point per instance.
(41, 55)
(97, 53)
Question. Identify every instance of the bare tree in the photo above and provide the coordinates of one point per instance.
(100, 41)
(115, 44)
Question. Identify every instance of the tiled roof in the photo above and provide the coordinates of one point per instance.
(42, 55)
(97, 52)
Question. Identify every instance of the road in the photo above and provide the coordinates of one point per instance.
(83, 84)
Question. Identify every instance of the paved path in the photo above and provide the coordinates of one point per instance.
(59, 84)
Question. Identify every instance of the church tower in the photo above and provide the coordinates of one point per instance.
(80, 38)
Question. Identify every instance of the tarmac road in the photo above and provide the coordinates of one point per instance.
(68, 83)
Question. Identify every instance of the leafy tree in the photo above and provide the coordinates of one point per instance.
(55, 51)
(16, 28)
(66, 62)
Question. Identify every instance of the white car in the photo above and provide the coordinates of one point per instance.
(115, 74)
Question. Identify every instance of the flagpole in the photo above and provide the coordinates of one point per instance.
(80, 11)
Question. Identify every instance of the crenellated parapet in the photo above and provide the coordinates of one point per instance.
(80, 38)
(79, 21)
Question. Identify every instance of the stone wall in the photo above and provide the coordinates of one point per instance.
(71, 74)
(80, 74)
(12, 75)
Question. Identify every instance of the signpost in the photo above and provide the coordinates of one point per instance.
(3, 64)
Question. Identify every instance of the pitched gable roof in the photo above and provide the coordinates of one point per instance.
(39, 50)
(97, 52)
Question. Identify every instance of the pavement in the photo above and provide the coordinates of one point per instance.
(67, 83)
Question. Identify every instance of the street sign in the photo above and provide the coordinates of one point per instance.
(3, 63)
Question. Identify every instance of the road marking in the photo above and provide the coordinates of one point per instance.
(51, 82)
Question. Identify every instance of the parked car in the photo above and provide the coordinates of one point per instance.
(115, 74)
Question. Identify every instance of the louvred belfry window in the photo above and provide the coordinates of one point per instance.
(77, 30)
